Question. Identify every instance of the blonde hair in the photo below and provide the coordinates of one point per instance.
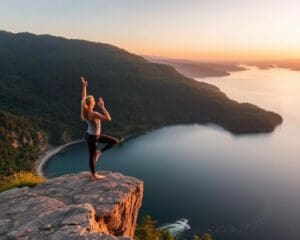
(86, 106)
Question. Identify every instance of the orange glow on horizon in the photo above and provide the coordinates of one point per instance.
(226, 55)
(199, 30)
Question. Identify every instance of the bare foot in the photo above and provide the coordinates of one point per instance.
(97, 176)
(98, 155)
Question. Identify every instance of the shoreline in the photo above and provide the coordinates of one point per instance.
(49, 152)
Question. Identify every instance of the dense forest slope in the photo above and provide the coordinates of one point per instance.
(21, 141)
(40, 81)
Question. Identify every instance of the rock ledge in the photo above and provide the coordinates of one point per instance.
(73, 207)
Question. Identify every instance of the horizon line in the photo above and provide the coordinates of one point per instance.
(166, 57)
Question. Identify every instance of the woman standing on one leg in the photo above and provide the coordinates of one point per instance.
(93, 134)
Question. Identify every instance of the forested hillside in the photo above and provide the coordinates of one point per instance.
(21, 141)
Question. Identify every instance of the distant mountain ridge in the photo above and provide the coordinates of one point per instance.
(199, 69)
(40, 81)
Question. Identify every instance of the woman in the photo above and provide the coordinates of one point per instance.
(93, 135)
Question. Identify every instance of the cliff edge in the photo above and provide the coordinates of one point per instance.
(73, 207)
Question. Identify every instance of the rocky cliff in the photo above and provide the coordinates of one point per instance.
(73, 207)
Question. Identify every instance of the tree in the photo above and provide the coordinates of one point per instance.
(148, 231)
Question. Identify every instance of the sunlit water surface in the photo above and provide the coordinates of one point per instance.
(236, 187)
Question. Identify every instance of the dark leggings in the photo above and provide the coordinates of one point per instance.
(92, 141)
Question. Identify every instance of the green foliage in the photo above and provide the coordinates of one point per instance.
(148, 231)
(20, 179)
(20, 143)
(206, 236)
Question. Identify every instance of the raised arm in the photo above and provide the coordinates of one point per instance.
(84, 86)
(105, 116)
(101, 105)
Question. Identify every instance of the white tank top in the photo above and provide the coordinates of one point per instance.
(94, 126)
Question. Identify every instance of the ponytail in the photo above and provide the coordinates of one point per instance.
(85, 107)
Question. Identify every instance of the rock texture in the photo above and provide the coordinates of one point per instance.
(73, 207)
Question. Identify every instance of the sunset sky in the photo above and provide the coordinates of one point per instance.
(191, 29)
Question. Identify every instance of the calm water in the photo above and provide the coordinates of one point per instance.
(236, 187)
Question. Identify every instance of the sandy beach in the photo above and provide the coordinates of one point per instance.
(48, 153)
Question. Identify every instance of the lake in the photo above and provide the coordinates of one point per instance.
(236, 187)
